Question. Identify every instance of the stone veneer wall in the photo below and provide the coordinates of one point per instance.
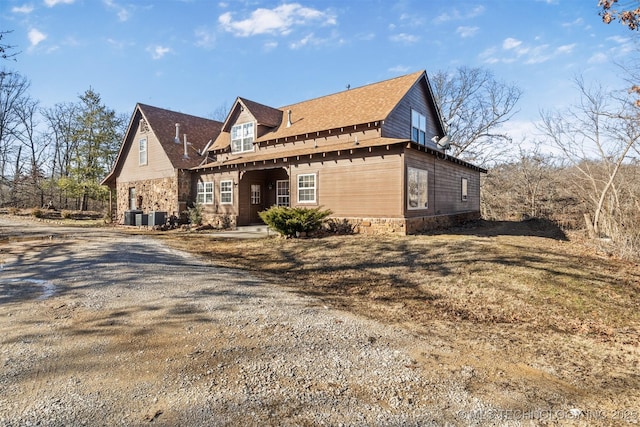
(157, 195)
(221, 221)
(405, 226)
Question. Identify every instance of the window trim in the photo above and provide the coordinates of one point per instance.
(143, 142)
(422, 193)
(281, 197)
(421, 127)
(314, 188)
(244, 139)
(228, 192)
(256, 194)
(201, 190)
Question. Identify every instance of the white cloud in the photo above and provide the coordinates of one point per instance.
(270, 45)
(36, 37)
(157, 52)
(26, 8)
(312, 40)
(576, 22)
(513, 50)
(366, 36)
(565, 49)
(122, 12)
(465, 32)
(511, 43)
(205, 38)
(404, 38)
(399, 69)
(456, 15)
(279, 20)
(598, 58)
(51, 3)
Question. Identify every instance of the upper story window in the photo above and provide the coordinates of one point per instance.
(418, 127)
(142, 151)
(242, 137)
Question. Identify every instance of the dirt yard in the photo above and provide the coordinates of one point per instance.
(497, 324)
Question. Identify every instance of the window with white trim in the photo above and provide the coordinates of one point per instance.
(418, 127)
(282, 192)
(205, 193)
(417, 188)
(242, 137)
(307, 188)
(142, 151)
(226, 192)
(464, 189)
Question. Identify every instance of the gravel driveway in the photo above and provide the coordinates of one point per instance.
(104, 328)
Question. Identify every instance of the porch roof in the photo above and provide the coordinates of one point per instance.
(254, 158)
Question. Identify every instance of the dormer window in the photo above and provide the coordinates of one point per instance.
(242, 137)
(418, 127)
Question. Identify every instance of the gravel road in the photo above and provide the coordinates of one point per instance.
(103, 328)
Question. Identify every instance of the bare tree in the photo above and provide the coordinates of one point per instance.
(13, 90)
(596, 137)
(61, 128)
(32, 175)
(474, 105)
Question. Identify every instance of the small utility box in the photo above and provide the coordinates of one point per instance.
(141, 219)
(157, 218)
(130, 217)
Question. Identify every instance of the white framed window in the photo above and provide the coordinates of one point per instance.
(226, 192)
(307, 188)
(418, 127)
(282, 193)
(463, 189)
(205, 193)
(417, 188)
(255, 194)
(142, 151)
(242, 137)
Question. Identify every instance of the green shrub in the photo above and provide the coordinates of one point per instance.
(195, 214)
(291, 221)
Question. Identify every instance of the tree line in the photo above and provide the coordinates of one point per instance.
(54, 156)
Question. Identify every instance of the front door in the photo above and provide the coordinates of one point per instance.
(255, 204)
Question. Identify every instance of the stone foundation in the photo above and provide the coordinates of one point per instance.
(154, 194)
(220, 221)
(405, 226)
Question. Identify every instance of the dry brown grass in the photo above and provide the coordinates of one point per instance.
(506, 297)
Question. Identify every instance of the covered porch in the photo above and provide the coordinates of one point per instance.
(258, 190)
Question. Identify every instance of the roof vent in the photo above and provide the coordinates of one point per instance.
(177, 138)
(186, 154)
(288, 118)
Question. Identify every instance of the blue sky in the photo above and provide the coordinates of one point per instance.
(197, 56)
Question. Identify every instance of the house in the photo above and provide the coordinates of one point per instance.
(152, 171)
(368, 154)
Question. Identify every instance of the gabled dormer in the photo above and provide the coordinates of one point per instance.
(246, 122)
